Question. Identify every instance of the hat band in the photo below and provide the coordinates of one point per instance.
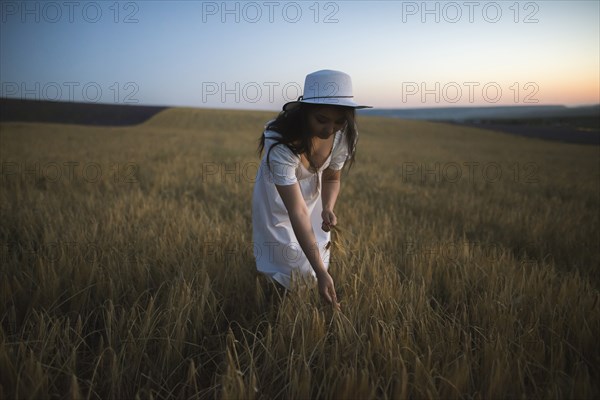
(325, 97)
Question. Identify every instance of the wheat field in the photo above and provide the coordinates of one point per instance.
(466, 262)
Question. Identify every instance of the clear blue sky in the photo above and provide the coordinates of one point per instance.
(243, 54)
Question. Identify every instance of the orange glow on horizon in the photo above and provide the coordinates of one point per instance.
(569, 92)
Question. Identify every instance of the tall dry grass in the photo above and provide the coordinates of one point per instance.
(131, 275)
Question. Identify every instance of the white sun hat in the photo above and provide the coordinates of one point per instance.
(326, 87)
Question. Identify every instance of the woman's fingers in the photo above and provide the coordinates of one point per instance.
(331, 298)
(333, 219)
(327, 290)
(329, 218)
(327, 296)
(332, 295)
(334, 303)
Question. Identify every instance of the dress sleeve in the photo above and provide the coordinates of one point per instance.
(282, 164)
(339, 154)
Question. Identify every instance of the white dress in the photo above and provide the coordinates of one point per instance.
(276, 250)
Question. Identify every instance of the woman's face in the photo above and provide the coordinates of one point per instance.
(324, 121)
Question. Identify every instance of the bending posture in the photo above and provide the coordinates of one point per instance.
(298, 181)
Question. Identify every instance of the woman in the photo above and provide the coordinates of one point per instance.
(298, 181)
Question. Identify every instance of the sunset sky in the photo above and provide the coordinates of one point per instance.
(255, 55)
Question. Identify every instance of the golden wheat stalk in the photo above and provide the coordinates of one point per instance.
(337, 243)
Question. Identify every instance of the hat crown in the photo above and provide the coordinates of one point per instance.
(327, 83)
(326, 87)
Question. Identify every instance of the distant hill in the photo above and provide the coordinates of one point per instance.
(579, 125)
(75, 113)
(473, 114)
(573, 125)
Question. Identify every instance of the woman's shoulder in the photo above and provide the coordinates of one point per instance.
(274, 135)
(269, 133)
(340, 138)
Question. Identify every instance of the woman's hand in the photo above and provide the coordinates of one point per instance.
(327, 289)
(329, 220)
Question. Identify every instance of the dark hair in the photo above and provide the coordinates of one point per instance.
(292, 125)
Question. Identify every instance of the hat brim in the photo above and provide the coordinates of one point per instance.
(342, 102)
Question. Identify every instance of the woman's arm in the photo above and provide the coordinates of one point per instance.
(330, 191)
(300, 219)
